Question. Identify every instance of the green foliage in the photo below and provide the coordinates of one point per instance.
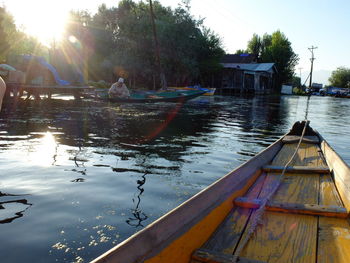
(295, 81)
(340, 77)
(275, 48)
(298, 91)
(255, 46)
(4, 44)
(241, 51)
(14, 41)
(123, 43)
(118, 41)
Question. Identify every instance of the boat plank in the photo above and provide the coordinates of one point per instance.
(296, 169)
(333, 240)
(307, 155)
(321, 210)
(208, 256)
(298, 189)
(328, 192)
(283, 238)
(296, 139)
(226, 237)
(334, 233)
(341, 172)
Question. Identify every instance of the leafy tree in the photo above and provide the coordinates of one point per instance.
(255, 46)
(6, 21)
(241, 51)
(118, 41)
(295, 81)
(123, 42)
(275, 48)
(21, 43)
(340, 77)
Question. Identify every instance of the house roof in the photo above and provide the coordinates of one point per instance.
(251, 66)
(238, 58)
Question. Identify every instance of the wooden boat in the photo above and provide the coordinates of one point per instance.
(306, 220)
(174, 96)
(208, 91)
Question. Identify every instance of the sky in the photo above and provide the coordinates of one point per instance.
(321, 23)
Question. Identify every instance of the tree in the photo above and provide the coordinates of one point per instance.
(21, 43)
(275, 48)
(5, 43)
(241, 51)
(124, 43)
(340, 77)
(254, 46)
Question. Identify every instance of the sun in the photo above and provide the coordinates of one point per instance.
(44, 20)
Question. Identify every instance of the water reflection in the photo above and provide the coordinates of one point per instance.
(12, 208)
(45, 152)
(138, 216)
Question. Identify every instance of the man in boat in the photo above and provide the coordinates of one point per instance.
(119, 90)
(2, 90)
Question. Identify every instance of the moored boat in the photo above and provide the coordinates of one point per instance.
(208, 91)
(174, 96)
(302, 187)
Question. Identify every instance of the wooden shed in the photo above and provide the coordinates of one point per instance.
(251, 77)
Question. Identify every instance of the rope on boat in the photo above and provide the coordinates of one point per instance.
(307, 106)
(260, 211)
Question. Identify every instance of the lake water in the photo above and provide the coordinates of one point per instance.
(76, 178)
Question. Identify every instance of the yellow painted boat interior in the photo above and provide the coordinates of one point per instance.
(280, 236)
(283, 236)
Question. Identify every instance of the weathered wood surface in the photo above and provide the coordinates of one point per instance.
(209, 256)
(283, 238)
(341, 172)
(307, 155)
(296, 139)
(296, 169)
(306, 209)
(293, 237)
(333, 233)
(288, 237)
(226, 237)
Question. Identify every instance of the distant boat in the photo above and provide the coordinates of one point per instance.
(208, 91)
(306, 220)
(170, 96)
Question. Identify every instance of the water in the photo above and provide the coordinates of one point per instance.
(79, 177)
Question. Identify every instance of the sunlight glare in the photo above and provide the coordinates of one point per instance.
(44, 154)
(42, 19)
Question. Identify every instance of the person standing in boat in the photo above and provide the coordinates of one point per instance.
(119, 90)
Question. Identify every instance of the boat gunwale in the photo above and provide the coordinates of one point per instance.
(147, 243)
(335, 171)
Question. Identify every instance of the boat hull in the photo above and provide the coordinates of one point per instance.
(210, 226)
(208, 91)
(176, 96)
(193, 222)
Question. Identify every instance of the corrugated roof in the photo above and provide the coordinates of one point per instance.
(250, 66)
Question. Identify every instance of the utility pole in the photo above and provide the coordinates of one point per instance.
(163, 83)
(312, 63)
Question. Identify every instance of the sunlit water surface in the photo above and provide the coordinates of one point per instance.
(77, 178)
